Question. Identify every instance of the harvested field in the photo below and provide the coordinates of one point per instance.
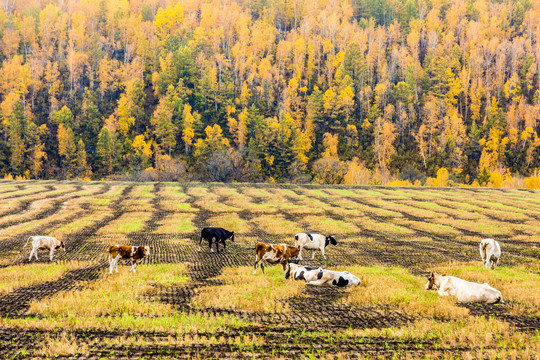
(185, 301)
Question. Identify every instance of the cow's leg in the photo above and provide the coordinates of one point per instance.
(322, 250)
(210, 244)
(116, 259)
(262, 266)
(35, 253)
(31, 254)
(256, 266)
(111, 266)
(51, 253)
(224, 245)
(313, 255)
(284, 264)
(133, 266)
(300, 254)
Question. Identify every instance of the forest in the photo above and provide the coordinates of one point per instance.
(324, 91)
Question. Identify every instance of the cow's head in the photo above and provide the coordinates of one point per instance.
(433, 281)
(330, 240)
(232, 236)
(62, 246)
(294, 251)
(146, 249)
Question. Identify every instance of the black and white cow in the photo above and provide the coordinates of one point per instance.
(216, 235)
(300, 272)
(313, 242)
(336, 278)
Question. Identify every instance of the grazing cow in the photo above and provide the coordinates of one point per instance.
(313, 242)
(299, 272)
(217, 235)
(336, 278)
(274, 254)
(44, 242)
(135, 254)
(464, 291)
(490, 252)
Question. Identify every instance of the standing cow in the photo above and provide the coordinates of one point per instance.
(313, 242)
(217, 235)
(490, 251)
(44, 242)
(135, 254)
(274, 254)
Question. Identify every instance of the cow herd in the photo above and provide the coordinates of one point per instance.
(288, 257)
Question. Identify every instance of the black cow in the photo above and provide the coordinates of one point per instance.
(217, 235)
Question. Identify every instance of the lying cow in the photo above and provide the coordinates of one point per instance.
(313, 242)
(336, 278)
(44, 242)
(217, 235)
(135, 254)
(464, 291)
(490, 252)
(274, 254)
(300, 272)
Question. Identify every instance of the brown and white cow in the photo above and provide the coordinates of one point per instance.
(135, 254)
(44, 242)
(274, 254)
(464, 291)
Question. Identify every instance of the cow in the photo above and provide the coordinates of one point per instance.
(313, 242)
(274, 254)
(135, 254)
(464, 291)
(44, 242)
(217, 235)
(299, 272)
(336, 278)
(490, 251)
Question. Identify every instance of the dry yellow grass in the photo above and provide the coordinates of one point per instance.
(176, 323)
(116, 294)
(231, 222)
(396, 288)
(330, 226)
(485, 227)
(428, 227)
(244, 291)
(64, 345)
(176, 223)
(277, 225)
(381, 226)
(520, 287)
(470, 332)
(127, 223)
(17, 276)
(63, 231)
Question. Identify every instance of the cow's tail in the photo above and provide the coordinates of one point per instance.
(27, 241)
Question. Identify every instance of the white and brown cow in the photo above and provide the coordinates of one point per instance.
(44, 242)
(274, 254)
(464, 291)
(335, 278)
(300, 272)
(313, 242)
(490, 251)
(135, 254)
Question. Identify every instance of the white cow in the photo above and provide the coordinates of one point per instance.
(337, 278)
(44, 242)
(490, 252)
(464, 291)
(300, 272)
(313, 242)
